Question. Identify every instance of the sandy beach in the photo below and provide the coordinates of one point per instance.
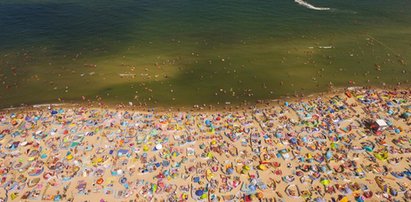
(353, 145)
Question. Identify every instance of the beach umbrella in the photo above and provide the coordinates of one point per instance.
(69, 156)
(304, 139)
(368, 148)
(209, 155)
(204, 196)
(334, 145)
(325, 182)
(199, 192)
(329, 155)
(100, 181)
(358, 196)
(262, 167)
(123, 180)
(230, 170)
(319, 200)
(57, 197)
(359, 199)
(154, 188)
(252, 187)
(344, 199)
(14, 196)
(145, 148)
(161, 176)
(381, 156)
(405, 115)
(159, 146)
(122, 152)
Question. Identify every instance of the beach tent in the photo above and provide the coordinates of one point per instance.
(379, 125)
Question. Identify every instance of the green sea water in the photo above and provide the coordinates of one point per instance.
(186, 52)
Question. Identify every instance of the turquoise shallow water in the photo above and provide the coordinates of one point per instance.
(193, 52)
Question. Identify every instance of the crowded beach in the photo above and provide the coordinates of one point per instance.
(349, 146)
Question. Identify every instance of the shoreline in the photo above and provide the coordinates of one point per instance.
(204, 107)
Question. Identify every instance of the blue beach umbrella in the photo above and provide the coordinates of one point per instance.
(123, 180)
(199, 192)
(328, 155)
(252, 187)
(304, 139)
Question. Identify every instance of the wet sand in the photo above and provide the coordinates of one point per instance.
(318, 148)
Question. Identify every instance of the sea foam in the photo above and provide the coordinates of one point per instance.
(310, 6)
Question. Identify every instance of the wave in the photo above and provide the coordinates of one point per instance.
(310, 6)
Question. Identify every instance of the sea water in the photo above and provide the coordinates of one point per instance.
(187, 52)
